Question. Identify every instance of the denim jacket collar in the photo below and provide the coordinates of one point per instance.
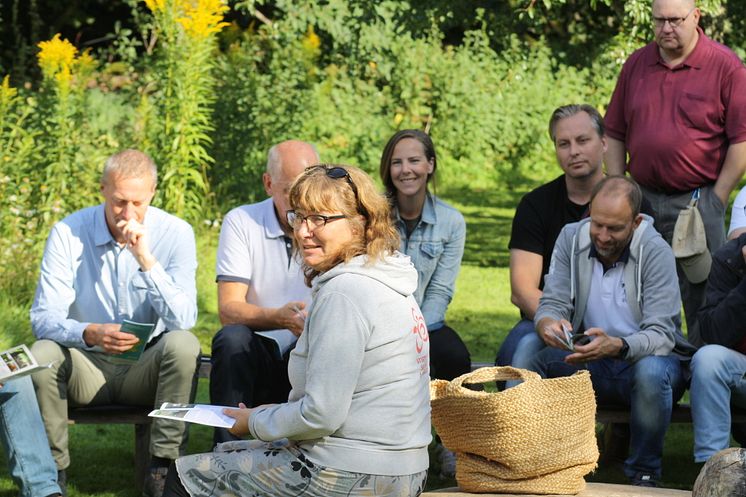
(428, 215)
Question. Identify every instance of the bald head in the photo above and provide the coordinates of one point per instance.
(688, 4)
(286, 161)
(619, 187)
(290, 158)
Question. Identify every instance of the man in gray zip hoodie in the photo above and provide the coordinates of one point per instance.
(612, 290)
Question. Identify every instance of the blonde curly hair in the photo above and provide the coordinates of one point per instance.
(354, 195)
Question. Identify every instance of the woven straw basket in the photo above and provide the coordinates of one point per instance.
(537, 437)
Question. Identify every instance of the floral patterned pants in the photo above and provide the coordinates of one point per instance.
(256, 468)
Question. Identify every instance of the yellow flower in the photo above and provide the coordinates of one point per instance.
(7, 93)
(311, 41)
(156, 5)
(202, 17)
(85, 64)
(64, 77)
(56, 57)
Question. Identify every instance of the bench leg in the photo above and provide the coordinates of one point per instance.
(142, 453)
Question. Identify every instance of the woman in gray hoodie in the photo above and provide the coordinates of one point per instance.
(357, 421)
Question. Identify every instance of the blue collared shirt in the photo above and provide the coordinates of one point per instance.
(87, 277)
(436, 247)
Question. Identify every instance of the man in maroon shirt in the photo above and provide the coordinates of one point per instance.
(679, 110)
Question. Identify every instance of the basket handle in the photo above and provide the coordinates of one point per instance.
(497, 373)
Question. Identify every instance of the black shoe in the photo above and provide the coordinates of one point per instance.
(62, 481)
(155, 482)
(644, 480)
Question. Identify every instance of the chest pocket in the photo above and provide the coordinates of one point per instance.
(429, 255)
(698, 120)
(432, 249)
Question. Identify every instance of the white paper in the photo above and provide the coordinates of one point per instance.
(203, 414)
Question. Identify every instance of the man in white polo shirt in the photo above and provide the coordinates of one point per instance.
(612, 290)
(261, 291)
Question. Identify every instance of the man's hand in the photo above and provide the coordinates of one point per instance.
(109, 338)
(292, 316)
(722, 193)
(602, 345)
(743, 252)
(550, 330)
(138, 242)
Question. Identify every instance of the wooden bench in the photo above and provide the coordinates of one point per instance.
(138, 416)
(681, 413)
(134, 415)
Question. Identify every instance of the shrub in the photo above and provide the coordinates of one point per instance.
(178, 121)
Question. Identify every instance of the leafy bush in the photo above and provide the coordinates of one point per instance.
(482, 78)
(179, 120)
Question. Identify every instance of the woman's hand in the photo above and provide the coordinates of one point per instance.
(241, 427)
(242, 415)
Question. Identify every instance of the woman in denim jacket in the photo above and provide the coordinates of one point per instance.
(432, 234)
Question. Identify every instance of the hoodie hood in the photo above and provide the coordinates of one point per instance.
(643, 233)
(394, 270)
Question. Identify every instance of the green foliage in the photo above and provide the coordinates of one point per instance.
(53, 144)
(179, 123)
(264, 84)
(481, 77)
(348, 75)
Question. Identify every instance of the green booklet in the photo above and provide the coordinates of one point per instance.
(141, 331)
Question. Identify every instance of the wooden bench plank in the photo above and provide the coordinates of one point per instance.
(591, 490)
(110, 414)
(681, 413)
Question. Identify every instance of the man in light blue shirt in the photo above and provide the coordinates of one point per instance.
(119, 260)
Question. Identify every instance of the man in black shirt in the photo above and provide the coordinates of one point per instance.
(577, 132)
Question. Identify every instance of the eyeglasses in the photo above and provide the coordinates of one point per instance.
(313, 221)
(674, 22)
(337, 172)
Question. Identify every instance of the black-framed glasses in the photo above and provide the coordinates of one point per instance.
(313, 221)
(339, 172)
(674, 22)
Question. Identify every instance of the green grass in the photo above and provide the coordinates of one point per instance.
(481, 312)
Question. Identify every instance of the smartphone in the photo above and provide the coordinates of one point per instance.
(580, 339)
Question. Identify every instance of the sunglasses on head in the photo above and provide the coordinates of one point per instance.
(338, 172)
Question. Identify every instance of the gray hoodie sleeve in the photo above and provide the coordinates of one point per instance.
(336, 345)
(661, 303)
(556, 300)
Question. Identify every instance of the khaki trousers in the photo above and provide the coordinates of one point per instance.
(166, 372)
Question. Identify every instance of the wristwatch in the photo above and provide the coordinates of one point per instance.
(624, 350)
